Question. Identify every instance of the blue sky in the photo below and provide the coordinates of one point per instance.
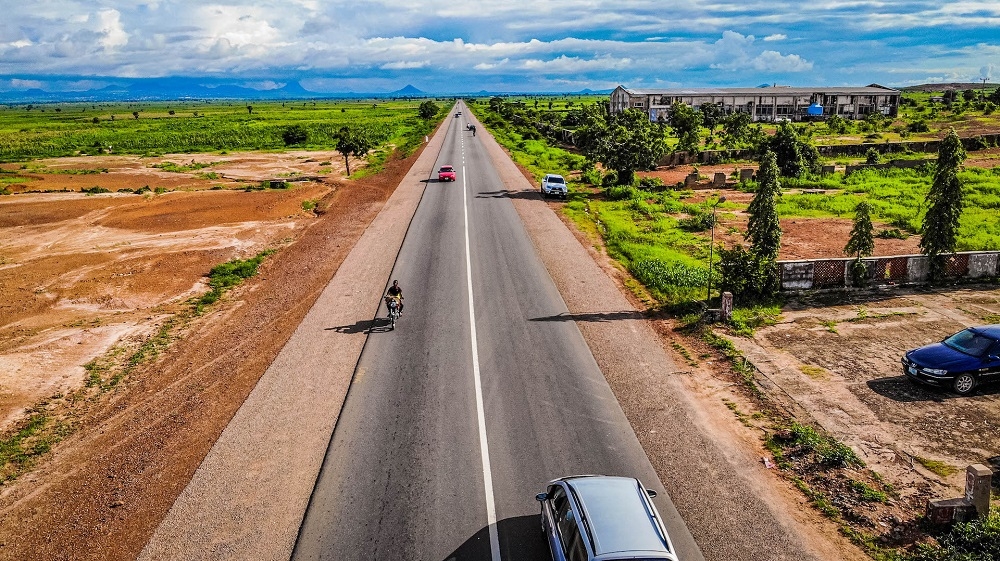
(446, 46)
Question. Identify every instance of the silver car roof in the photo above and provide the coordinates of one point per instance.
(618, 518)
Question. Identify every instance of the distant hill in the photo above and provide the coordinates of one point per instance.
(408, 90)
(949, 86)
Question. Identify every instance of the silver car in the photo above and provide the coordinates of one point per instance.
(603, 518)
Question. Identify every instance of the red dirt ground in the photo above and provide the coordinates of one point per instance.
(88, 272)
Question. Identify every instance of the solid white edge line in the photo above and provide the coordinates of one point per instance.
(484, 449)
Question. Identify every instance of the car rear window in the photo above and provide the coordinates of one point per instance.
(447, 168)
(555, 179)
(969, 342)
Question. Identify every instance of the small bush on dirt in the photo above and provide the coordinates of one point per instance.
(698, 222)
(892, 234)
(95, 190)
(227, 275)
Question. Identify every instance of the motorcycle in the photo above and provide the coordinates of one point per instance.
(392, 304)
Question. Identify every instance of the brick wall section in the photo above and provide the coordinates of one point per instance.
(808, 274)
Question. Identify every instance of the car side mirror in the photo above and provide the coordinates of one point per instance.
(541, 497)
(651, 493)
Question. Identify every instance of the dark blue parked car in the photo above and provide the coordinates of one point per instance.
(961, 362)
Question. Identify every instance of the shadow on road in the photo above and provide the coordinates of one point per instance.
(593, 316)
(520, 539)
(377, 325)
(509, 195)
(901, 389)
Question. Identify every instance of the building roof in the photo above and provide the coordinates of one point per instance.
(873, 89)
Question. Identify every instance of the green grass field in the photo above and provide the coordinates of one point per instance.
(655, 234)
(55, 130)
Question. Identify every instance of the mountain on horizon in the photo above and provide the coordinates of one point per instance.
(408, 90)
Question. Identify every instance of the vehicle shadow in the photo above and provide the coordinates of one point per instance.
(509, 195)
(901, 389)
(593, 316)
(520, 539)
(377, 325)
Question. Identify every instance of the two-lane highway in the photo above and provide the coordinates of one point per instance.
(482, 394)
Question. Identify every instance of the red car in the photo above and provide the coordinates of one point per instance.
(446, 173)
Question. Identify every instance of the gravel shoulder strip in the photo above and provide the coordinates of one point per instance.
(718, 487)
(248, 497)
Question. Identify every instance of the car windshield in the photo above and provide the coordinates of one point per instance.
(969, 342)
(447, 168)
(555, 179)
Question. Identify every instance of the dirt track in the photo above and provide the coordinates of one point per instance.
(102, 493)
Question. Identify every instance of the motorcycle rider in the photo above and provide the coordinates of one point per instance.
(395, 291)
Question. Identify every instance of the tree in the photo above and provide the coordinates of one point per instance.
(623, 142)
(428, 109)
(872, 156)
(686, 123)
(249, 109)
(861, 243)
(712, 115)
(295, 134)
(969, 94)
(135, 114)
(787, 152)
(837, 124)
(763, 229)
(353, 142)
(944, 206)
(736, 130)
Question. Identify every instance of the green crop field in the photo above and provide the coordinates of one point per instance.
(54, 130)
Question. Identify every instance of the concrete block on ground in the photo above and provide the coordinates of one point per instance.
(983, 265)
(719, 180)
(946, 511)
(829, 170)
(917, 269)
(691, 180)
(746, 175)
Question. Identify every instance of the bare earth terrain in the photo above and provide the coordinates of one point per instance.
(90, 273)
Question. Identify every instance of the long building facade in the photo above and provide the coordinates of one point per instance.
(774, 103)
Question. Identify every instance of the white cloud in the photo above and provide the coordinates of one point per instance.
(405, 65)
(776, 37)
(110, 26)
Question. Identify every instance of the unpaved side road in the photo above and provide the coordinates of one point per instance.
(247, 499)
(718, 486)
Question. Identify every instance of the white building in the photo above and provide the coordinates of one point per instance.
(768, 103)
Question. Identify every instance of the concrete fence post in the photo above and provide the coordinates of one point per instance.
(726, 308)
(978, 479)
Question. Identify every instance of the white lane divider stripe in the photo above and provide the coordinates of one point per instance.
(484, 449)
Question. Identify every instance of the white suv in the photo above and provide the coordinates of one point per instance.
(553, 184)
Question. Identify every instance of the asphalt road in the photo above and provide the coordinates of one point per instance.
(482, 394)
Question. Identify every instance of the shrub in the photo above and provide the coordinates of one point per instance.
(698, 222)
(918, 126)
(295, 134)
(749, 277)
